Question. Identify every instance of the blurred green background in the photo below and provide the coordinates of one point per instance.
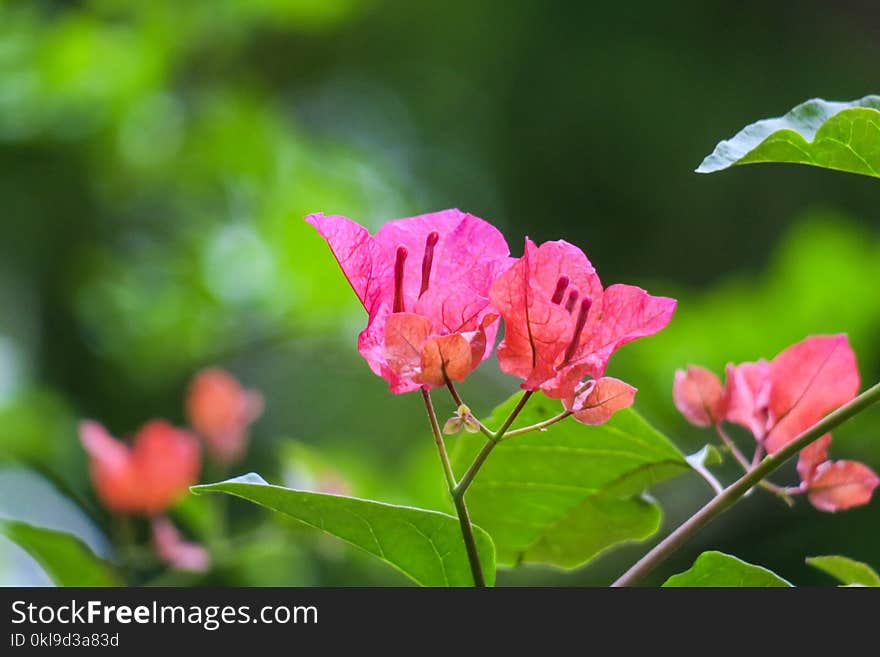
(156, 159)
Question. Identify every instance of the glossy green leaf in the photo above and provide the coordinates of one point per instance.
(66, 559)
(847, 571)
(563, 495)
(716, 569)
(426, 546)
(840, 136)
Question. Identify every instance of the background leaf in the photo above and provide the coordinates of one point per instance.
(66, 559)
(847, 571)
(426, 546)
(564, 495)
(719, 569)
(841, 136)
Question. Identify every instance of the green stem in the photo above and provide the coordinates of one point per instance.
(741, 486)
(467, 529)
(494, 439)
(537, 427)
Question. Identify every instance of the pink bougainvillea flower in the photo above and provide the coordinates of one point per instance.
(146, 477)
(178, 553)
(834, 485)
(599, 399)
(424, 282)
(698, 394)
(561, 325)
(221, 410)
(779, 400)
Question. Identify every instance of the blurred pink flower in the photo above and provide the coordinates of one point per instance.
(561, 325)
(178, 553)
(147, 477)
(698, 395)
(221, 410)
(424, 282)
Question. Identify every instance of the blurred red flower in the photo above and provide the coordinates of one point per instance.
(178, 553)
(221, 410)
(146, 477)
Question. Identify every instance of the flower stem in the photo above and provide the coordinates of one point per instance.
(779, 491)
(467, 529)
(537, 427)
(731, 446)
(741, 486)
(709, 478)
(494, 439)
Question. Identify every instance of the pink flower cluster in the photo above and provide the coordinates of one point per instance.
(435, 287)
(149, 474)
(778, 400)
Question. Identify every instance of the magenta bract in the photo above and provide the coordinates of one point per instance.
(424, 282)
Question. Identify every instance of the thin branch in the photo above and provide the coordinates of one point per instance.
(710, 479)
(540, 426)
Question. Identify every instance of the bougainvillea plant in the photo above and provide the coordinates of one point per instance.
(558, 472)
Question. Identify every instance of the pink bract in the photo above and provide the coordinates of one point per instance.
(561, 325)
(600, 399)
(834, 485)
(808, 380)
(424, 282)
(778, 400)
(840, 485)
(746, 399)
(698, 395)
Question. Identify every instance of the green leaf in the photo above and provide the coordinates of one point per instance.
(848, 571)
(716, 569)
(840, 136)
(66, 559)
(563, 495)
(706, 456)
(426, 546)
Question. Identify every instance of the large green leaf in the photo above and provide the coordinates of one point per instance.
(563, 495)
(841, 136)
(847, 571)
(426, 546)
(66, 559)
(723, 570)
